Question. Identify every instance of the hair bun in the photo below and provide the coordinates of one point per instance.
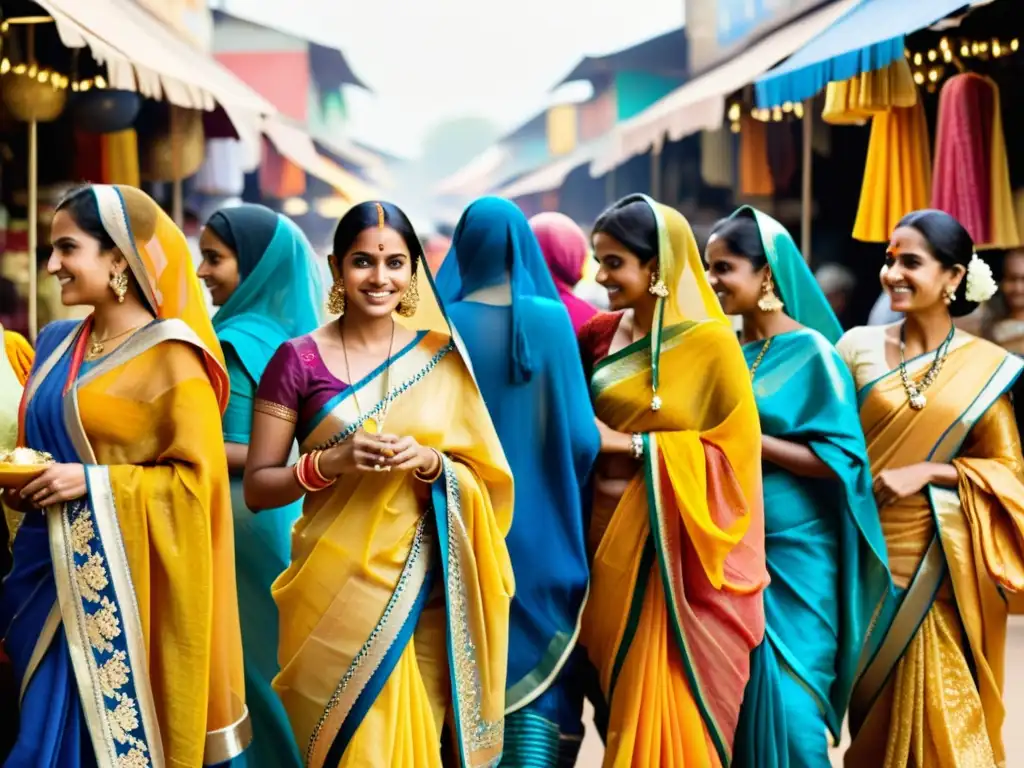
(981, 285)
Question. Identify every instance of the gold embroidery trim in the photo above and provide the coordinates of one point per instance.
(275, 410)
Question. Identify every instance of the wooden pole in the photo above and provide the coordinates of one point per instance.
(656, 173)
(33, 209)
(177, 197)
(806, 189)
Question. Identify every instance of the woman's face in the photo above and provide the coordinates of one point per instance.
(914, 279)
(733, 278)
(219, 269)
(621, 273)
(376, 269)
(1012, 284)
(80, 265)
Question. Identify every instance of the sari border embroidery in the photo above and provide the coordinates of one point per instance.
(48, 365)
(42, 645)
(368, 660)
(474, 733)
(103, 628)
(662, 545)
(634, 359)
(350, 420)
(274, 409)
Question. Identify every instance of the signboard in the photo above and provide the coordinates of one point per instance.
(718, 29)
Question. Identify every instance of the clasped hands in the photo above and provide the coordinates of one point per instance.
(366, 452)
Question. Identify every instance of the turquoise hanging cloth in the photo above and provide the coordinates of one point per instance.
(526, 362)
(279, 296)
(823, 539)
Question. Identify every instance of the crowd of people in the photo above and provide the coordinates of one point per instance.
(418, 516)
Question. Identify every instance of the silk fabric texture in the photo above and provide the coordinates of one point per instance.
(546, 427)
(678, 564)
(825, 550)
(280, 295)
(394, 609)
(140, 663)
(929, 690)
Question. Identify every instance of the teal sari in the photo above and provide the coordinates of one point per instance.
(278, 298)
(825, 550)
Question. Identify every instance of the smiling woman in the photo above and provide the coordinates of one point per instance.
(395, 605)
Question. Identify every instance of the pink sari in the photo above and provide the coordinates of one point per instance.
(565, 250)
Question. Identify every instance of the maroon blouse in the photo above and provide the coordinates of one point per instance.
(595, 339)
(296, 378)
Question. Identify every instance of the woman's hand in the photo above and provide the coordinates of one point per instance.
(891, 485)
(57, 484)
(612, 441)
(362, 452)
(410, 456)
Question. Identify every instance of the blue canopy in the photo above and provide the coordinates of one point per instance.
(870, 36)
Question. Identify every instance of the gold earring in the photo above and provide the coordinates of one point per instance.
(410, 299)
(336, 298)
(949, 294)
(119, 285)
(769, 301)
(657, 287)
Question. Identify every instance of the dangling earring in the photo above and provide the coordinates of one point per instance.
(410, 299)
(769, 301)
(119, 285)
(949, 294)
(336, 298)
(657, 287)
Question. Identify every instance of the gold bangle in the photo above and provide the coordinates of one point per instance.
(433, 476)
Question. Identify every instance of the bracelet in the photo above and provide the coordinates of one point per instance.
(308, 475)
(436, 474)
(636, 446)
(319, 476)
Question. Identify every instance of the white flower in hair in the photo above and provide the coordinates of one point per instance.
(981, 286)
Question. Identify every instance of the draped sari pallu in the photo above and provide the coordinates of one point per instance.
(368, 648)
(683, 549)
(929, 684)
(117, 612)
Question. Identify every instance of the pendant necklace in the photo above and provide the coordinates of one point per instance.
(96, 346)
(374, 423)
(760, 357)
(915, 391)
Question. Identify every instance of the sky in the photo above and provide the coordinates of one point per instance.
(428, 60)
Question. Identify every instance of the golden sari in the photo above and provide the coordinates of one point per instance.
(678, 563)
(929, 687)
(122, 618)
(394, 610)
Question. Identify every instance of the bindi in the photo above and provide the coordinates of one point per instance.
(380, 223)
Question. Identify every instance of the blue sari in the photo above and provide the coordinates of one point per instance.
(527, 366)
(825, 551)
(278, 298)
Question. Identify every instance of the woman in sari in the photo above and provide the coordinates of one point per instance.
(949, 482)
(677, 533)
(565, 250)
(120, 614)
(522, 347)
(825, 550)
(262, 274)
(394, 609)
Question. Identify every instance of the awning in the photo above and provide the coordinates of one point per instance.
(869, 37)
(551, 175)
(476, 176)
(700, 104)
(144, 55)
(297, 146)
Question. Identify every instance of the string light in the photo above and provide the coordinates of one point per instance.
(56, 80)
(929, 67)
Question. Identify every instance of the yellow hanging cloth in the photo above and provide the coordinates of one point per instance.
(897, 172)
(855, 101)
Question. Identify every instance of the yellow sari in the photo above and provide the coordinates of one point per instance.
(929, 688)
(394, 610)
(678, 564)
(135, 592)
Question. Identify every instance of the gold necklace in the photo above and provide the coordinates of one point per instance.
(371, 424)
(760, 356)
(915, 391)
(96, 346)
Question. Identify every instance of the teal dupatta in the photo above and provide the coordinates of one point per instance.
(825, 549)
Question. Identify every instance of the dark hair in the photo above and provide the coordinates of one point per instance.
(364, 216)
(80, 204)
(742, 237)
(631, 221)
(950, 244)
